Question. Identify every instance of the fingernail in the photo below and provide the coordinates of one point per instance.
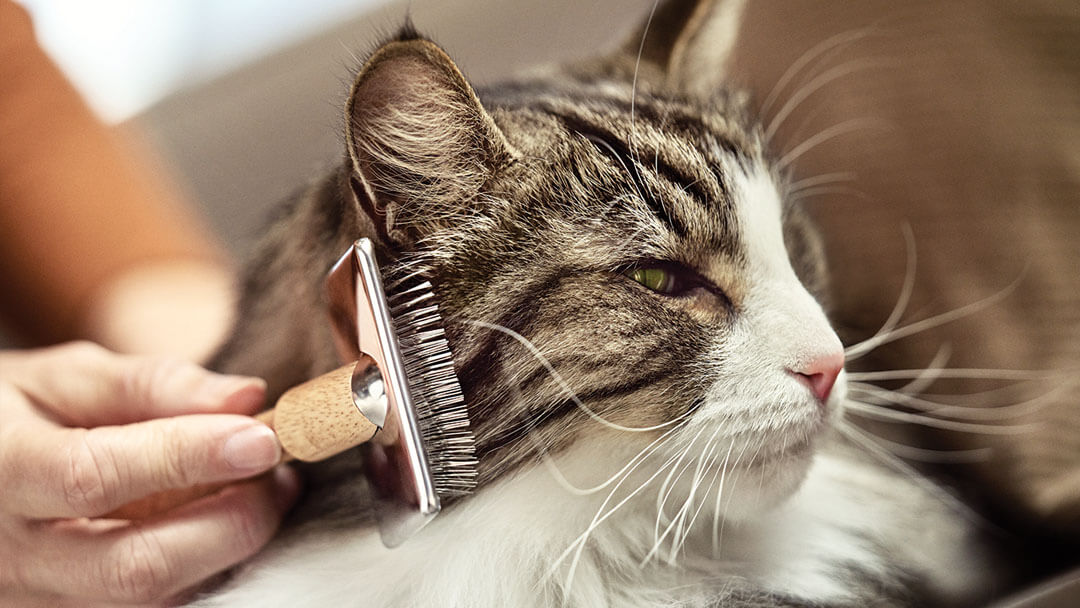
(253, 449)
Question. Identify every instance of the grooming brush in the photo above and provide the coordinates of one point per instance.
(400, 400)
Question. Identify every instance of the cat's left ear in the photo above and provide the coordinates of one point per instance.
(421, 144)
(690, 41)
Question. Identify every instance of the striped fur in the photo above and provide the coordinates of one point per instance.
(527, 204)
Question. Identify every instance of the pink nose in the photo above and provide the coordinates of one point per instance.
(820, 374)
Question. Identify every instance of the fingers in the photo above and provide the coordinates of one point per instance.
(85, 385)
(49, 472)
(152, 425)
(154, 559)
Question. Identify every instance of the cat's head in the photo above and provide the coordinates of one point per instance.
(611, 249)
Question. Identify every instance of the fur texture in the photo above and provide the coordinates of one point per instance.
(639, 446)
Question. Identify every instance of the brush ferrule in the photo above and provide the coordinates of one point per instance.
(369, 391)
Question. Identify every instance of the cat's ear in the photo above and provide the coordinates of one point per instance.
(421, 144)
(689, 41)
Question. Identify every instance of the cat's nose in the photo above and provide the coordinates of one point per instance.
(820, 374)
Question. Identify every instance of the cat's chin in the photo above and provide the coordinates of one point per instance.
(768, 481)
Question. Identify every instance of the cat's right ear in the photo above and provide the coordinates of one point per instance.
(689, 41)
(421, 144)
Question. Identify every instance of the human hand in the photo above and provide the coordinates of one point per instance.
(84, 431)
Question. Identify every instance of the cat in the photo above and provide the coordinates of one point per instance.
(635, 316)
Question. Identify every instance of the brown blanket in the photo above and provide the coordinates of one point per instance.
(961, 120)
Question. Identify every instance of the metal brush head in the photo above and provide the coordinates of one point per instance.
(436, 392)
(403, 353)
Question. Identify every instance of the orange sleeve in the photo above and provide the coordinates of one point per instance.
(78, 203)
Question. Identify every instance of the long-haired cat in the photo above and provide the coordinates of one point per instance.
(633, 309)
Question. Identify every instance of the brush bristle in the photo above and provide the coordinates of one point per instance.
(436, 391)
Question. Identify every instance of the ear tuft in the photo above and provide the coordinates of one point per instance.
(421, 144)
(407, 31)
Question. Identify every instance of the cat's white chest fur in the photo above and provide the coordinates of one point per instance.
(514, 546)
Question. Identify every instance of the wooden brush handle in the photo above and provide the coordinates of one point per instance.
(313, 421)
(318, 419)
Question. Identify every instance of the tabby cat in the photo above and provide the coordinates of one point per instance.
(634, 314)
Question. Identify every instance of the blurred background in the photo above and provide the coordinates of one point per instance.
(243, 99)
(125, 55)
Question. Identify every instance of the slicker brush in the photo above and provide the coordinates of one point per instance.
(398, 398)
(401, 399)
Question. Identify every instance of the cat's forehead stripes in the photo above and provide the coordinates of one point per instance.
(627, 158)
(667, 154)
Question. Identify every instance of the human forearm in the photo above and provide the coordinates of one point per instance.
(87, 219)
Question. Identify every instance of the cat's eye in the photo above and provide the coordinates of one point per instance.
(674, 280)
(666, 278)
(656, 279)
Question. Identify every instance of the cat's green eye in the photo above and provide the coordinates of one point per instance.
(656, 279)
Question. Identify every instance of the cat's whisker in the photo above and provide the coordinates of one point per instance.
(717, 473)
(1001, 412)
(802, 93)
(677, 523)
(820, 180)
(633, 83)
(736, 475)
(816, 51)
(920, 382)
(826, 190)
(561, 382)
(843, 128)
(635, 177)
(666, 487)
(996, 398)
(968, 373)
(912, 453)
(869, 410)
(858, 350)
(933, 370)
(658, 196)
(561, 479)
(601, 515)
(867, 442)
(661, 536)
(716, 528)
(902, 300)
